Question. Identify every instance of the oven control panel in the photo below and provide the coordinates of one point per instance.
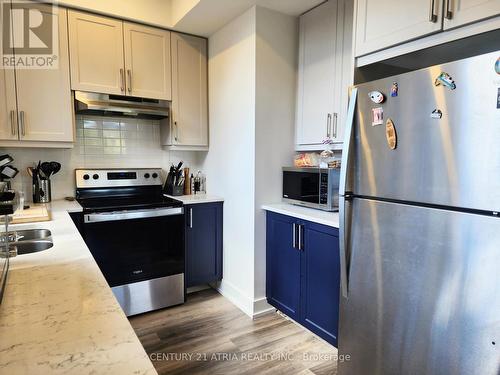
(94, 178)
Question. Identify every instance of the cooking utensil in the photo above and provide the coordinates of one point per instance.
(46, 169)
(55, 166)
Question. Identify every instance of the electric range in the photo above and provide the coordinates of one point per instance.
(135, 234)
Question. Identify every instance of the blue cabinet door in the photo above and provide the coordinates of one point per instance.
(283, 265)
(320, 281)
(203, 243)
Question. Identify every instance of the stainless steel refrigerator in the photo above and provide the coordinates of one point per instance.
(419, 223)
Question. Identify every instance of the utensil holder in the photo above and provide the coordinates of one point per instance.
(42, 191)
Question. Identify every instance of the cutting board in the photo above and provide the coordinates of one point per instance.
(36, 212)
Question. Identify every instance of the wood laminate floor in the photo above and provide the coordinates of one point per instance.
(209, 335)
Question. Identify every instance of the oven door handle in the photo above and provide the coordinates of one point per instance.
(128, 215)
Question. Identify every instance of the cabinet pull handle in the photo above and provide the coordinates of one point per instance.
(448, 14)
(328, 123)
(294, 236)
(191, 218)
(129, 75)
(176, 137)
(122, 80)
(300, 237)
(335, 122)
(13, 122)
(432, 16)
(23, 126)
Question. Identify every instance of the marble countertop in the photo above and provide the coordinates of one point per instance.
(58, 314)
(199, 198)
(316, 216)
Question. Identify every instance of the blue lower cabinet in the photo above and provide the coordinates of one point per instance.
(203, 243)
(303, 273)
(321, 281)
(283, 265)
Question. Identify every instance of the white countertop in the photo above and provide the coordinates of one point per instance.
(59, 315)
(310, 214)
(198, 198)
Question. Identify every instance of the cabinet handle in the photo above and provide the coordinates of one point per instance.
(432, 16)
(122, 80)
(13, 125)
(23, 126)
(328, 124)
(448, 14)
(294, 236)
(176, 137)
(300, 237)
(191, 218)
(129, 75)
(335, 122)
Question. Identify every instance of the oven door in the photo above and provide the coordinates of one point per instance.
(136, 245)
(301, 185)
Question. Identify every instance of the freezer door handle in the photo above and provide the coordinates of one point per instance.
(344, 253)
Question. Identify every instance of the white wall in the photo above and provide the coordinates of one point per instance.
(252, 73)
(101, 142)
(277, 46)
(231, 72)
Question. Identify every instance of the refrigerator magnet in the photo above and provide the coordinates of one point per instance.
(394, 89)
(497, 66)
(498, 98)
(377, 116)
(376, 97)
(390, 134)
(445, 80)
(437, 114)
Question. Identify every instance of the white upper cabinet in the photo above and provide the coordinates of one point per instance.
(384, 23)
(325, 73)
(96, 52)
(317, 74)
(8, 108)
(147, 61)
(461, 12)
(44, 96)
(189, 120)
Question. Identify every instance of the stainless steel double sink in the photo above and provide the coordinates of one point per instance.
(29, 241)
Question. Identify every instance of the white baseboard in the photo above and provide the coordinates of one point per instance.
(261, 307)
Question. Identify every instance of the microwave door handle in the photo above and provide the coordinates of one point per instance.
(343, 202)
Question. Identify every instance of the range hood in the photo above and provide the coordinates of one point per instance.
(91, 103)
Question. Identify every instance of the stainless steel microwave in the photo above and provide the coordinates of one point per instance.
(312, 187)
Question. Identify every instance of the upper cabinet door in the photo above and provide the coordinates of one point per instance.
(189, 90)
(44, 95)
(8, 108)
(461, 12)
(147, 61)
(317, 73)
(384, 23)
(96, 51)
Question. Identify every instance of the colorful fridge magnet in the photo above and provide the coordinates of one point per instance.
(437, 114)
(376, 97)
(445, 80)
(377, 116)
(394, 89)
(390, 134)
(497, 66)
(498, 98)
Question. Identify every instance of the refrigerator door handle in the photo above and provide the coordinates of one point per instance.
(347, 141)
(343, 233)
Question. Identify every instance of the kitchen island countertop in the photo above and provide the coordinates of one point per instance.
(59, 315)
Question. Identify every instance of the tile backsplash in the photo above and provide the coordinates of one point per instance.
(101, 142)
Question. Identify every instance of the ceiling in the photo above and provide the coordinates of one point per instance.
(208, 16)
(199, 17)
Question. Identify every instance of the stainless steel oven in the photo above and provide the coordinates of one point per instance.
(312, 187)
(136, 236)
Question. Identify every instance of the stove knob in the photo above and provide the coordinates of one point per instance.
(155, 175)
(95, 176)
(146, 175)
(86, 176)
